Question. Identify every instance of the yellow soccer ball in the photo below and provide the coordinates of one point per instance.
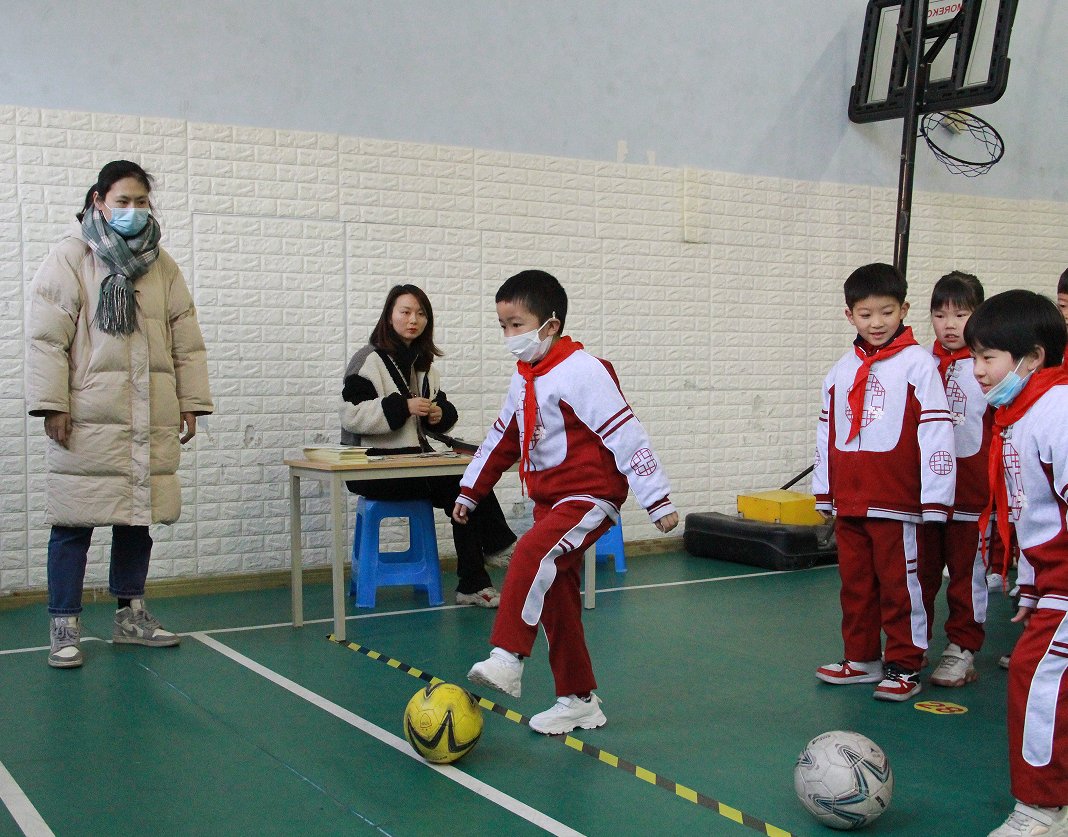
(442, 722)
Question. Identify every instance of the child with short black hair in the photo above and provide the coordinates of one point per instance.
(1018, 340)
(579, 447)
(954, 545)
(884, 463)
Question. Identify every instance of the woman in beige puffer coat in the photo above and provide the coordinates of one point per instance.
(116, 365)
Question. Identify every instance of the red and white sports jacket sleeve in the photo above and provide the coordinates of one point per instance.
(498, 452)
(821, 481)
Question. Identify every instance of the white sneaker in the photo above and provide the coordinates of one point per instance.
(956, 668)
(995, 581)
(569, 713)
(486, 597)
(65, 633)
(502, 671)
(1032, 821)
(849, 671)
(134, 625)
(501, 558)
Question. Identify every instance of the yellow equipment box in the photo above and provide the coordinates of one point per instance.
(779, 506)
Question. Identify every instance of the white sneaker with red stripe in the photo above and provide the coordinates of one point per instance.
(849, 671)
(897, 684)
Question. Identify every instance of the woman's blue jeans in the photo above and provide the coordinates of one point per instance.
(68, 551)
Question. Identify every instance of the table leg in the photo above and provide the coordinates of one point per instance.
(590, 560)
(337, 523)
(295, 558)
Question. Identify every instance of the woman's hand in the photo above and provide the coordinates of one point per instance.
(420, 406)
(459, 513)
(434, 416)
(188, 424)
(58, 427)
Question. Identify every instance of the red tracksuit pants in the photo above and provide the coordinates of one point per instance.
(542, 586)
(955, 545)
(1038, 709)
(878, 561)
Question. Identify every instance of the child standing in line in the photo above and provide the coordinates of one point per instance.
(579, 447)
(954, 545)
(884, 463)
(1018, 341)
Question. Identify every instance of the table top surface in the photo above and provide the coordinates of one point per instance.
(401, 461)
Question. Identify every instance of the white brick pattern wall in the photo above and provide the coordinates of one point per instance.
(716, 296)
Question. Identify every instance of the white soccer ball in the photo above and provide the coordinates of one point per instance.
(843, 779)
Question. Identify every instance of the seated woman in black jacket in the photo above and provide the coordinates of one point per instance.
(391, 396)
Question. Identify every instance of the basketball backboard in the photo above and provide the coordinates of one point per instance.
(966, 46)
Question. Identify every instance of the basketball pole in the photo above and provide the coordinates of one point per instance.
(914, 92)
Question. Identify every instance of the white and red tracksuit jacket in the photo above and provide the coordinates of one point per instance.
(588, 444)
(1034, 459)
(972, 425)
(901, 465)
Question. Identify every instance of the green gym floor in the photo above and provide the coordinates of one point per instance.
(254, 727)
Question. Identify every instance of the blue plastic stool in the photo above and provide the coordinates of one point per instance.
(611, 543)
(417, 565)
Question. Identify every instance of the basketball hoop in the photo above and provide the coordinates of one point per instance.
(985, 142)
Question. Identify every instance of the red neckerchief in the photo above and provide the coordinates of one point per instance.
(560, 351)
(946, 357)
(855, 398)
(1037, 385)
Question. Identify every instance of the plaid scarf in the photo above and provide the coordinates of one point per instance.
(125, 259)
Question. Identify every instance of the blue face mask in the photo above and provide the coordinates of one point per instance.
(1005, 391)
(128, 221)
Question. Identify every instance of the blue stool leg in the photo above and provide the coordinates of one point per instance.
(611, 543)
(356, 546)
(425, 537)
(367, 573)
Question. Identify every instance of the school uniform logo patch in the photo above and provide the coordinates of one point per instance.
(958, 401)
(942, 463)
(874, 402)
(643, 463)
(1010, 460)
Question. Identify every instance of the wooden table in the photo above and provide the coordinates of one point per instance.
(335, 476)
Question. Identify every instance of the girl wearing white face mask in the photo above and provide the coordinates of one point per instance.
(111, 313)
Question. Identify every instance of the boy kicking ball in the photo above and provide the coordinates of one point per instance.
(579, 447)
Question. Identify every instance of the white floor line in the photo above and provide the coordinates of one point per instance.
(488, 792)
(389, 613)
(47, 647)
(20, 807)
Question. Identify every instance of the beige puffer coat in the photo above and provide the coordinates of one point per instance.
(125, 394)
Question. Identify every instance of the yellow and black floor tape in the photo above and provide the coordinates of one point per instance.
(681, 791)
